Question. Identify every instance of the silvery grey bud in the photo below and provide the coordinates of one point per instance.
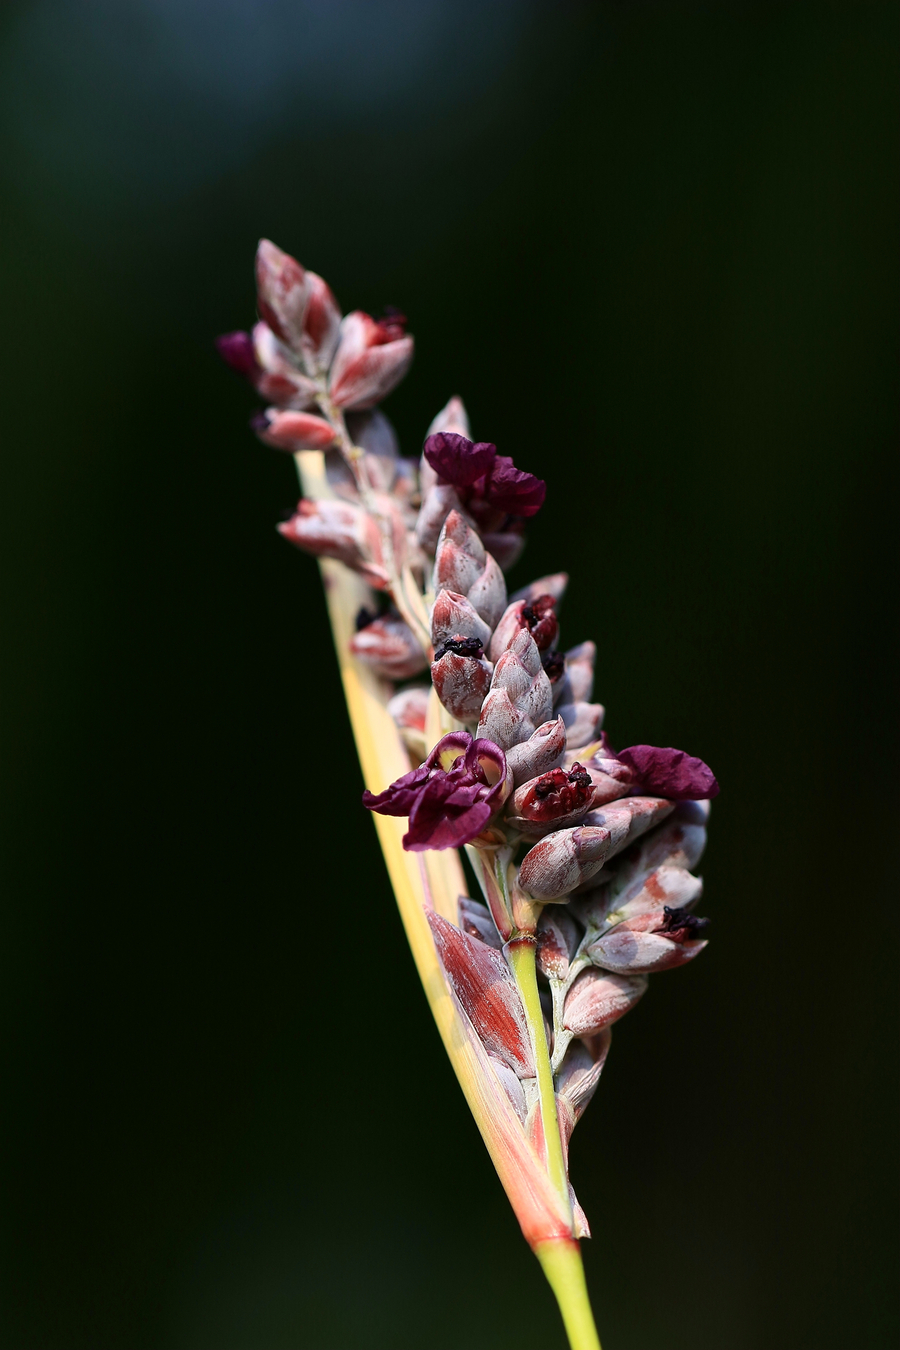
(597, 1000)
(453, 616)
(542, 752)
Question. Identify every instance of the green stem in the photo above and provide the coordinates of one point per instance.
(561, 1263)
(521, 956)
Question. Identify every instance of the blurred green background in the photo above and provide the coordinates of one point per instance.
(653, 246)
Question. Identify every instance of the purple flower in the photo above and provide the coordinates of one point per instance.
(669, 773)
(451, 797)
(487, 476)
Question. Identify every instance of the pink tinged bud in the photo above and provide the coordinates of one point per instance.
(371, 359)
(611, 780)
(542, 751)
(390, 647)
(329, 529)
(679, 842)
(550, 802)
(283, 292)
(322, 323)
(670, 773)
(452, 417)
(563, 860)
(438, 501)
(557, 941)
(454, 617)
(483, 983)
(582, 722)
(293, 431)
(409, 709)
(236, 350)
(475, 919)
(488, 592)
(597, 1000)
(460, 557)
(553, 585)
(520, 699)
(629, 818)
(665, 887)
(462, 565)
(650, 943)
(279, 381)
(537, 617)
(451, 797)
(461, 678)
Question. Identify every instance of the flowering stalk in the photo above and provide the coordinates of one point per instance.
(582, 853)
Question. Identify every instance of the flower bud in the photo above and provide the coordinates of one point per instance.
(438, 501)
(520, 698)
(551, 801)
(293, 431)
(679, 842)
(488, 592)
(452, 417)
(461, 677)
(596, 1001)
(371, 358)
(657, 941)
(409, 709)
(569, 858)
(453, 616)
(537, 617)
(557, 942)
(283, 292)
(563, 860)
(332, 529)
(279, 381)
(390, 647)
(460, 556)
(462, 565)
(321, 323)
(543, 751)
(621, 901)
(611, 779)
(629, 818)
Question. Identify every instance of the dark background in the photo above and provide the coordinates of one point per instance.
(653, 247)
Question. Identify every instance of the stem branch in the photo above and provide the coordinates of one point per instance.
(521, 956)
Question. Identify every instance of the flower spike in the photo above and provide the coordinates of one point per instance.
(583, 855)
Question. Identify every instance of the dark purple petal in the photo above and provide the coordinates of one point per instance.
(446, 819)
(236, 350)
(400, 797)
(670, 773)
(456, 459)
(512, 490)
(447, 806)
